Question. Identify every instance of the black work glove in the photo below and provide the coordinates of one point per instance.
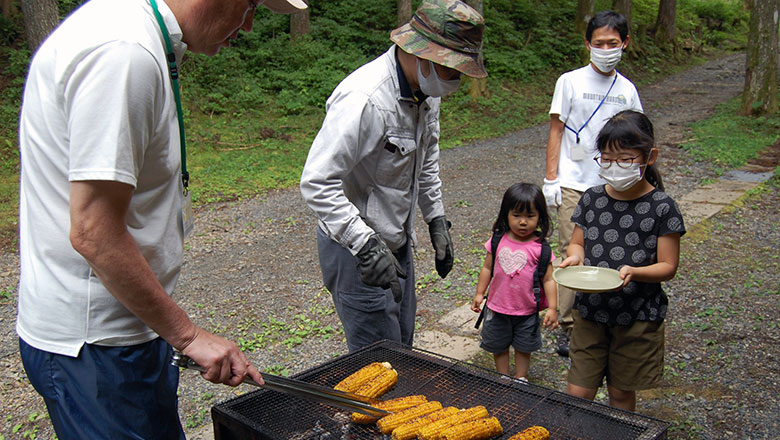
(378, 266)
(439, 228)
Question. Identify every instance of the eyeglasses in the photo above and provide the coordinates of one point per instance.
(253, 4)
(623, 162)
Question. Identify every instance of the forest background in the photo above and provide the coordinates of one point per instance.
(252, 111)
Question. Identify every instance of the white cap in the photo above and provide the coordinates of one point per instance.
(285, 6)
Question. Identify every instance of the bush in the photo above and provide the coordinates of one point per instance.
(9, 31)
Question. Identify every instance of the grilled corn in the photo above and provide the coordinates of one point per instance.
(391, 405)
(475, 430)
(408, 430)
(435, 429)
(387, 424)
(532, 433)
(379, 384)
(361, 376)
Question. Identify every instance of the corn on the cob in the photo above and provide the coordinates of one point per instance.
(532, 433)
(434, 430)
(391, 405)
(408, 430)
(361, 376)
(475, 430)
(387, 424)
(379, 384)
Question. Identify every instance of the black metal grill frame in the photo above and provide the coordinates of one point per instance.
(269, 415)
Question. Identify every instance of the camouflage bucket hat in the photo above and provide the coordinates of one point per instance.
(447, 32)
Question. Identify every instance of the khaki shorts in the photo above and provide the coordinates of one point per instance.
(631, 358)
(569, 200)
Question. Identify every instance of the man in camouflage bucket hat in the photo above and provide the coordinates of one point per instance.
(375, 157)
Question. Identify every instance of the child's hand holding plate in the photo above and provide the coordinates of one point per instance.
(588, 279)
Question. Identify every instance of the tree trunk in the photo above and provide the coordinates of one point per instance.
(476, 4)
(299, 23)
(477, 86)
(665, 25)
(584, 14)
(623, 7)
(404, 11)
(760, 95)
(40, 18)
(9, 8)
(585, 11)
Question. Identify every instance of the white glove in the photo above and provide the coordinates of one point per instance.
(552, 192)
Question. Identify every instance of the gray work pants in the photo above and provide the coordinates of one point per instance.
(368, 314)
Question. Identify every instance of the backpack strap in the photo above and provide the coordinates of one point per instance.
(494, 241)
(541, 270)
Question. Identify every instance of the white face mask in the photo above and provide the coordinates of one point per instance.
(605, 59)
(622, 179)
(433, 85)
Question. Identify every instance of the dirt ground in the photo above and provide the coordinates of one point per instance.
(251, 274)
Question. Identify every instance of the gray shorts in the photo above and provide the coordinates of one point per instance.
(499, 331)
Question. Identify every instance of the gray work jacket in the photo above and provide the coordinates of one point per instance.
(376, 154)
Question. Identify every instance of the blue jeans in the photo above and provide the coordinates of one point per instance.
(108, 392)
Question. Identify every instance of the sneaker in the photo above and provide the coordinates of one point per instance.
(563, 345)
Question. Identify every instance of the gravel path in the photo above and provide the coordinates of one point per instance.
(251, 274)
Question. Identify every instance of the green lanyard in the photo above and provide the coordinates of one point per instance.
(174, 71)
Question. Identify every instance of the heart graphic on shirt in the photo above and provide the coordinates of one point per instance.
(512, 261)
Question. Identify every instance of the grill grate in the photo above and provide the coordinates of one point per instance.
(266, 414)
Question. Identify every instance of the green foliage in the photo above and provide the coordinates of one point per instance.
(524, 38)
(252, 111)
(14, 62)
(9, 30)
(728, 139)
(67, 6)
(720, 23)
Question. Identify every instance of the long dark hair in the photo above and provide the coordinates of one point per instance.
(521, 197)
(631, 129)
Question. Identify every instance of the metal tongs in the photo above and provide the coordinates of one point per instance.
(318, 393)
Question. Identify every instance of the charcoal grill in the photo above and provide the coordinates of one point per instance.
(270, 415)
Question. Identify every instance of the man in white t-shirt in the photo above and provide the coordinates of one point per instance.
(583, 101)
(101, 225)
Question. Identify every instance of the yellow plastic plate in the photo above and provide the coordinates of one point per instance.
(588, 279)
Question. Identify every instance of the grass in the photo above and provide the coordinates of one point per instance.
(9, 194)
(728, 139)
(245, 154)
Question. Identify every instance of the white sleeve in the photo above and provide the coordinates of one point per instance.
(637, 103)
(112, 101)
(561, 101)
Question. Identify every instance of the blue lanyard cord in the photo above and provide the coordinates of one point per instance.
(174, 71)
(577, 132)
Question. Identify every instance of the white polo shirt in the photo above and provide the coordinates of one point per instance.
(98, 105)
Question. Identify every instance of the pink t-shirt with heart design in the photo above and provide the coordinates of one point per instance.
(511, 289)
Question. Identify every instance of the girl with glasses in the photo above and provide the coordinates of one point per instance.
(632, 226)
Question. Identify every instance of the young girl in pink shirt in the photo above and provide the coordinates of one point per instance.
(511, 317)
